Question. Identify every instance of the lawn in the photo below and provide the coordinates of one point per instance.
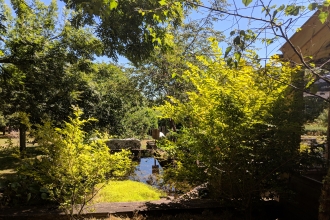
(127, 191)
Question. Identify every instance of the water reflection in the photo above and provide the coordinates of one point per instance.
(148, 172)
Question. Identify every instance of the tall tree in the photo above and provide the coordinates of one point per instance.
(40, 62)
(114, 94)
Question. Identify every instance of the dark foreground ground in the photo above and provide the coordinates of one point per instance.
(197, 209)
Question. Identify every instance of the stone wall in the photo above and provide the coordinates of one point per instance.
(128, 144)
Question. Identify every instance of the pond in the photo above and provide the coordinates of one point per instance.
(148, 171)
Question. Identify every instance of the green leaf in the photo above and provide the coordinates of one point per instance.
(281, 8)
(312, 6)
(238, 56)
(113, 4)
(242, 33)
(232, 33)
(228, 50)
(44, 195)
(293, 10)
(173, 75)
(246, 2)
(323, 16)
(229, 62)
(237, 40)
(162, 2)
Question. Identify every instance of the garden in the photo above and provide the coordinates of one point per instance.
(243, 130)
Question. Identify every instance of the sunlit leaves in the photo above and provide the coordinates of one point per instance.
(252, 98)
(228, 49)
(312, 6)
(326, 3)
(293, 9)
(162, 2)
(237, 56)
(246, 2)
(124, 26)
(323, 16)
(113, 4)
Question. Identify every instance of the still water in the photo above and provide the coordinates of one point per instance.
(148, 171)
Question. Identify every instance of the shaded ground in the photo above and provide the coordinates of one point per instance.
(160, 209)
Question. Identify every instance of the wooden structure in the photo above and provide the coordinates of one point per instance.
(312, 40)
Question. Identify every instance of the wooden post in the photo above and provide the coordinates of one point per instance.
(155, 168)
(22, 138)
(155, 134)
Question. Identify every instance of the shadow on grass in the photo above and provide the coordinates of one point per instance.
(9, 163)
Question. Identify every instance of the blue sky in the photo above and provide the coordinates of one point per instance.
(230, 23)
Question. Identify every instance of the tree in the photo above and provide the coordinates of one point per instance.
(40, 63)
(230, 131)
(114, 94)
(159, 76)
(133, 29)
(138, 121)
(3, 123)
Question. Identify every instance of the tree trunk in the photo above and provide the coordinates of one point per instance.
(173, 125)
(22, 138)
(4, 130)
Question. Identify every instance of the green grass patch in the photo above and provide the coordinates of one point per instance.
(315, 129)
(127, 191)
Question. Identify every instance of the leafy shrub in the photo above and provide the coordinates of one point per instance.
(70, 167)
(139, 121)
(240, 130)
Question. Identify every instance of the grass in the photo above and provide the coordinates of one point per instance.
(315, 129)
(127, 191)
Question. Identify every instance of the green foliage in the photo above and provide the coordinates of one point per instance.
(109, 95)
(3, 121)
(242, 134)
(246, 2)
(238, 45)
(138, 122)
(160, 75)
(323, 16)
(319, 125)
(133, 29)
(311, 155)
(70, 167)
(41, 63)
(313, 107)
(323, 118)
